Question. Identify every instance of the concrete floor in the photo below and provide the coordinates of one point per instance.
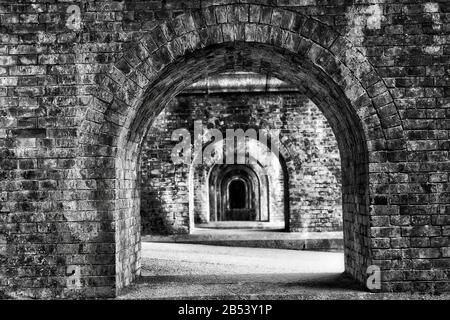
(193, 271)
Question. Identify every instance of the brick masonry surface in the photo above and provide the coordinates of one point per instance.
(82, 81)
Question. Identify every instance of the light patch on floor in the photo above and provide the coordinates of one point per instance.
(196, 259)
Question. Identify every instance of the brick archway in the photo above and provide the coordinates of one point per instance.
(255, 163)
(287, 45)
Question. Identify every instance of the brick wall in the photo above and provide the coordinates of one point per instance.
(76, 97)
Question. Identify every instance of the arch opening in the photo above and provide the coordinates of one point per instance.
(239, 192)
(265, 177)
(235, 193)
(350, 132)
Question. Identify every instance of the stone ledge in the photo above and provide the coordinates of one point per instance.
(321, 241)
(241, 82)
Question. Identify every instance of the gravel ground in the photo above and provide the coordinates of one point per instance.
(191, 271)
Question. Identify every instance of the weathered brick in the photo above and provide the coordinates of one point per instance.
(381, 84)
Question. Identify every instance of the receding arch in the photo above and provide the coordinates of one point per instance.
(260, 167)
(238, 174)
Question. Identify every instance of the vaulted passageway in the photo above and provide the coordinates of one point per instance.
(237, 190)
(334, 104)
(302, 194)
(242, 192)
(78, 99)
(349, 92)
(343, 123)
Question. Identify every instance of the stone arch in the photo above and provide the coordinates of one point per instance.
(227, 174)
(290, 46)
(260, 169)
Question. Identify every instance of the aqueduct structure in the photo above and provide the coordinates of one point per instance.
(78, 101)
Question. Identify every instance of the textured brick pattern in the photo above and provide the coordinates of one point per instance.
(75, 104)
(313, 174)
